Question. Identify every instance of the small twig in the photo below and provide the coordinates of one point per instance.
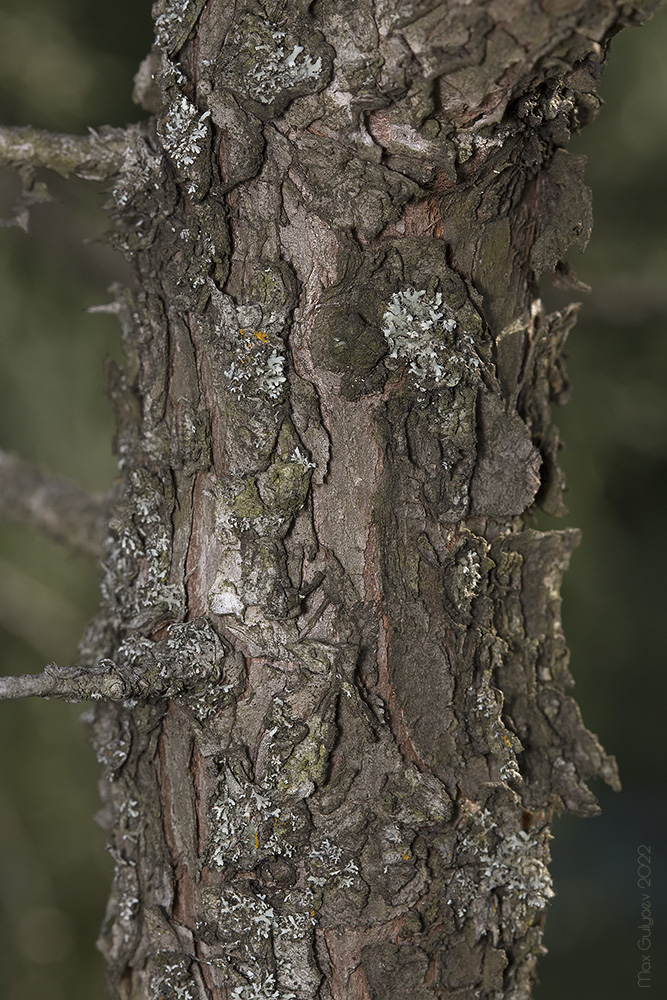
(68, 683)
(56, 506)
(96, 156)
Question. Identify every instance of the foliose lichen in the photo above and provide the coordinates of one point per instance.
(260, 369)
(138, 549)
(186, 665)
(511, 865)
(468, 142)
(142, 170)
(172, 980)
(469, 575)
(261, 934)
(421, 329)
(184, 132)
(174, 20)
(277, 65)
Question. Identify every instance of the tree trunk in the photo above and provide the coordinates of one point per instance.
(328, 671)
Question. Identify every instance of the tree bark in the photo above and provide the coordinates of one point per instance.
(328, 672)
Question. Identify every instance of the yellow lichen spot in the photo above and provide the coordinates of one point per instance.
(256, 841)
(261, 336)
(406, 857)
(312, 913)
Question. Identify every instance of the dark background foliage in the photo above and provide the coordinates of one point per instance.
(67, 64)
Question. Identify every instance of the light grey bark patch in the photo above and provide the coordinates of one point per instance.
(506, 476)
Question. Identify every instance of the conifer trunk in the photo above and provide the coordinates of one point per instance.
(328, 673)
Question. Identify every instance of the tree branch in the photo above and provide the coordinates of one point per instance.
(56, 506)
(72, 684)
(95, 157)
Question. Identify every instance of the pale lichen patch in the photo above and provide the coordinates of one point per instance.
(142, 170)
(257, 352)
(422, 330)
(270, 63)
(279, 65)
(268, 941)
(173, 21)
(469, 142)
(492, 861)
(171, 980)
(261, 369)
(469, 576)
(185, 133)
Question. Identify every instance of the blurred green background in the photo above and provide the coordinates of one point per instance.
(67, 64)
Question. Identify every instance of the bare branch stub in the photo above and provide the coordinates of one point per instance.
(96, 156)
(73, 684)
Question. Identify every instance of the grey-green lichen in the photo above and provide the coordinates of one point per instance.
(420, 329)
(138, 550)
(268, 65)
(471, 141)
(260, 368)
(279, 66)
(254, 350)
(267, 939)
(187, 665)
(142, 169)
(466, 570)
(185, 133)
(174, 20)
(498, 869)
(171, 978)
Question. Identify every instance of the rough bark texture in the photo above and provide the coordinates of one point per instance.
(330, 670)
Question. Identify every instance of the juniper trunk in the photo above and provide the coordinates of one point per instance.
(329, 666)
